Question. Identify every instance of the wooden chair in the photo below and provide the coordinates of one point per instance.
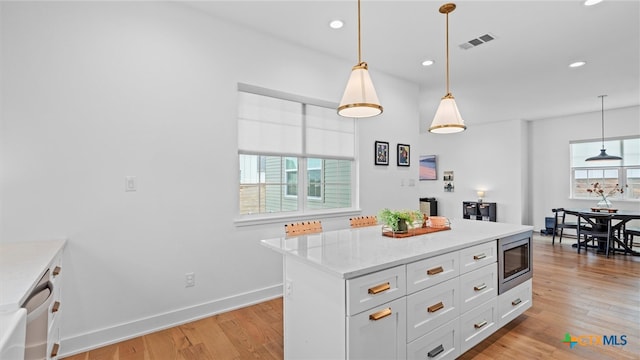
(362, 221)
(560, 224)
(304, 227)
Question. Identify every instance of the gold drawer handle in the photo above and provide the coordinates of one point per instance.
(56, 271)
(436, 307)
(380, 314)
(481, 287)
(54, 350)
(516, 302)
(434, 271)
(479, 325)
(55, 307)
(479, 257)
(379, 288)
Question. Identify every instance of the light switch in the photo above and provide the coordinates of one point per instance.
(130, 183)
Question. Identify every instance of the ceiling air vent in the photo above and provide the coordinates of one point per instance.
(477, 41)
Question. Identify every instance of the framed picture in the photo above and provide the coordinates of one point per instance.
(428, 167)
(381, 153)
(404, 154)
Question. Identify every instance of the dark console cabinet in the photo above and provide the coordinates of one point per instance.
(479, 210)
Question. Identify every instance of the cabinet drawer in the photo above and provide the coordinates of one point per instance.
(478, 324)
(375, 289)
(478, 256)
(478, 286)
(441, 343)
(514, 302)
(378, 333)
(432, 307)
(432, 271)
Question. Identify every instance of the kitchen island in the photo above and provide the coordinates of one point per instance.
(355, 294)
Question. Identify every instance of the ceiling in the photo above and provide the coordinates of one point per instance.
(522, 74)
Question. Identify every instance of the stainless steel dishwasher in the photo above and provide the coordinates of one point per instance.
(37, 305)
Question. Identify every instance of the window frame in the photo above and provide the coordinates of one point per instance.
(621, 169)
(303, 212)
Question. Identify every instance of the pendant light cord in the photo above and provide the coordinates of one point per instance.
(447, 46)
(602, 98)
(359, 40)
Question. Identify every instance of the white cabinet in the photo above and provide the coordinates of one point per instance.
(359, 295)
(432, 307)
(477, 324)
(378, 333)
(441, 343)
(24, 268)
(514, 302)
(375, 289)
(55, 309)
(478, 286)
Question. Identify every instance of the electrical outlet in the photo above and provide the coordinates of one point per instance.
(189, 279)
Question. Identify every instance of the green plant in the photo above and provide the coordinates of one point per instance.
(391, 217)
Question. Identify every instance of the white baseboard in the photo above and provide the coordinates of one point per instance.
(98, 338)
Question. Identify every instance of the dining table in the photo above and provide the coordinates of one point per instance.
(618, 219)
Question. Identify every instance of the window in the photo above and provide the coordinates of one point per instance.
(295, 155)
(625, 172)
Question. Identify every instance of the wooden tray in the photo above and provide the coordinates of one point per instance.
(415, 232)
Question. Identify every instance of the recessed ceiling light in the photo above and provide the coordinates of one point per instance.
(577, 64)
(428, 63)
(591, 2)
(336, 24)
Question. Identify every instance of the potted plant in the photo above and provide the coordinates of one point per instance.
(399, 220)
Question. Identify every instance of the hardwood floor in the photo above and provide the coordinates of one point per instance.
(580, 294)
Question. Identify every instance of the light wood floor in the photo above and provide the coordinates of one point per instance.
(579, 294)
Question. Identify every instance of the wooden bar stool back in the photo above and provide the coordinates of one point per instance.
(362, 221)
(302, 228)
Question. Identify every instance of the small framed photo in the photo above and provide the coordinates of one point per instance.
(381, 153)
(404, 155)
(428, 167)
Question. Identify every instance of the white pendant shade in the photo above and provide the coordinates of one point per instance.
(447, 119)
(359, 99)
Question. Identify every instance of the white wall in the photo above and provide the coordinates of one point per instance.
(549, 139)
(489, 156)
(93, 92)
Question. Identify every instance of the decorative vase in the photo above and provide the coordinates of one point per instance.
(402, 226)
(604, 204)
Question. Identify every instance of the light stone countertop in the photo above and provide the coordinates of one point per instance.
(22, 265)
(354, 252)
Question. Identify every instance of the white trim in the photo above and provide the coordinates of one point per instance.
(102, 337)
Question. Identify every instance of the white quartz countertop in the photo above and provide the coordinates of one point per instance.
(354, 252)
(22, 265)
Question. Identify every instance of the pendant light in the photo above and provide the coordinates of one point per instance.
(603, 152)
(359, 99)
(447, 119)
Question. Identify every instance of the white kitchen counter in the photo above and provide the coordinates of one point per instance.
(22, 265)
(354, 252)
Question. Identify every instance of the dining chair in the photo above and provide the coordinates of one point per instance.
(304, 227)
(362, 221)
(593, 228)
(628, 233)
(560, 224)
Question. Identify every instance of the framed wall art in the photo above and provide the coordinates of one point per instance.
(404, 155)
(381, 153)
(428, 167)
